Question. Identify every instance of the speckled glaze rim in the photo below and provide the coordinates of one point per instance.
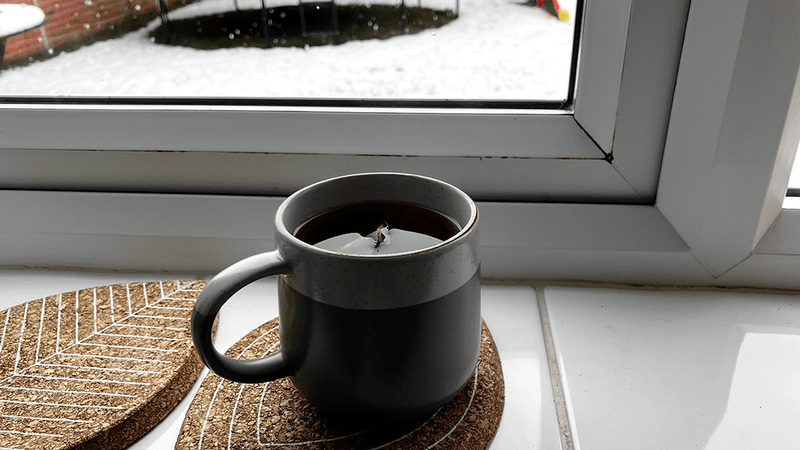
(283, 230)
(363, 281)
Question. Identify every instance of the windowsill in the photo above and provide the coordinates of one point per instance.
(509, 311)
(635, 364)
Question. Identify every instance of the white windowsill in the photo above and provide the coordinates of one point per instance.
(510, 313)
(617, 353)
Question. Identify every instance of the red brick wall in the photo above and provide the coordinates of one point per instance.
(70, 20)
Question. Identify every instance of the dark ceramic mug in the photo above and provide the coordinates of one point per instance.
(395, 335)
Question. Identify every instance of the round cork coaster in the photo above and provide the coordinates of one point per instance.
(229, 415)
(95, 368)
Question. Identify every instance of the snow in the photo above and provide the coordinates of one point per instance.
(15, 19)
(496, 49)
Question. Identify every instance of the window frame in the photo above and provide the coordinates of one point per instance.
(734, 134)
(590, 150)
(709, 225)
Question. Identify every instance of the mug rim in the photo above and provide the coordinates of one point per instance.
(280, 226)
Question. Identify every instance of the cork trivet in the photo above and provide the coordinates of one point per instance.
(229, 415)
(95, 368)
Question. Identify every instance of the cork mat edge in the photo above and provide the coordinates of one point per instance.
(465, 430)
(144, 418)
(144, 411)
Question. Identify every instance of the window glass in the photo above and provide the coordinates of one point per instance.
(792, 200)
(436, 50)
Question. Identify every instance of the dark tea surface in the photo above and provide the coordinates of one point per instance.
(377, 228)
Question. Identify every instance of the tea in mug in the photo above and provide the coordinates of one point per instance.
(377, 228)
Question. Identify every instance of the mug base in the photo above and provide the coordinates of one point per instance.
(346, 413)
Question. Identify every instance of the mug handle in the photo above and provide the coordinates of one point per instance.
(216, 293)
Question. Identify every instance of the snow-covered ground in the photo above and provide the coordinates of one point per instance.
(496, 49)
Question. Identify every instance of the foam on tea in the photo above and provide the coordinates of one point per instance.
(377, 228)
(383, 241)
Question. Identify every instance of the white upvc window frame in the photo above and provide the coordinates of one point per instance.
(511, 152)
(733, 136)
(692, 220)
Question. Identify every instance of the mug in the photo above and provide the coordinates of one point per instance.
(381, 334)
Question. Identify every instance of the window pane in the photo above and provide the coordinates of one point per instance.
(505, 50)
(792, 200)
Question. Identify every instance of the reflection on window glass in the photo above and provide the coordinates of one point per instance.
(387, 49)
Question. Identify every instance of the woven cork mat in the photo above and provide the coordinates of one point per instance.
(229, 415)
(95, 368)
